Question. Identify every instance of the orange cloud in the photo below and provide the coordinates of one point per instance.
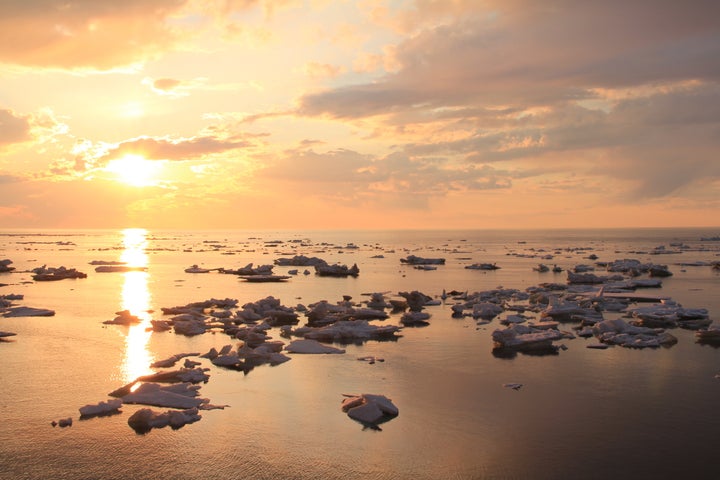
(13, 128)
(178, 149)
(86, 33)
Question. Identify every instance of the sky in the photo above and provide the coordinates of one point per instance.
(366, 114)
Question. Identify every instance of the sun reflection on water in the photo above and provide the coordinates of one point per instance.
(136, 299)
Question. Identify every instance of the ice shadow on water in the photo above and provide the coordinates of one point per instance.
(376, 425)
(84, 418)
(510, 353)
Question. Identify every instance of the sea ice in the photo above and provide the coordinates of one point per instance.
(369, 409)
(311, 346)
(180, 395)
(101, 408)
(146, 419)
(28, 312)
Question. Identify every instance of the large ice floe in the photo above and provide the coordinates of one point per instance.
(618, 332)
(145, 419)
(9, 309)
(109, 407)
(524, 338)
(345, 331)
(708, 336)
(311, 346)
(46, 274)
(415, 260)
(369, 409)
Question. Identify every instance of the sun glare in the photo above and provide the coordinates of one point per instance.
(136, 299)
(135, 170)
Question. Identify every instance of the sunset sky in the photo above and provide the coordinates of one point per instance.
(323, 114)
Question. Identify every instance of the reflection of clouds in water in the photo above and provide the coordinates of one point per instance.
(136, 299)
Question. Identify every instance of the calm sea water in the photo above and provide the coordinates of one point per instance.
(583, 413)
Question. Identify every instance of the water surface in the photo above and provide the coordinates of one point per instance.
(582, 413)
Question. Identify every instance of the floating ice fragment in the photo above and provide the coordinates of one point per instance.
(369, 409)
(311, 346)
(102, 408)
(514, 386)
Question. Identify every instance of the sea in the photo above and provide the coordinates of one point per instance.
(581, 413)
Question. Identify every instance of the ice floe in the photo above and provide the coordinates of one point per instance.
(369, 409)
(311, 346)
(524, 338)
(5, 265)
(325, 270)
(145, 419)
(482, 266)
(619, 332)
(27, 312)
(46, 274)
(415, 260)
(108, 407)
(346, 331)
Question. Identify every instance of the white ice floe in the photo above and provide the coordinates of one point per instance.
(28, 312)
(415, 260)
(118, 269)
(196, 269)
(337, 270)
(179, 395)
(101, 408)
(486, 310)
(311, 346)
(369, 409)
(123, 318)
(525, 338)
(346, 331)
(482, 266)
(63, 422)
(171, 361)
(513, 319)
(146, 419)
(226, 360)
(566, 310)
(411, 319)
(709, 335)
(618, 332)
(668, 314)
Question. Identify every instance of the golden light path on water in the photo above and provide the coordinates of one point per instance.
(136, 299)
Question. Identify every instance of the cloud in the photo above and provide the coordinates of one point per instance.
(13, 128)
(7, 179)
(173, 87)
(347, 177)
(322, 70)
(305, 166)
(74, 203)
(174, 149)
(526, 53)
(624, 90)
(86, 33)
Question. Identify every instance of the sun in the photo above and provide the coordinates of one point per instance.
(135, 170)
